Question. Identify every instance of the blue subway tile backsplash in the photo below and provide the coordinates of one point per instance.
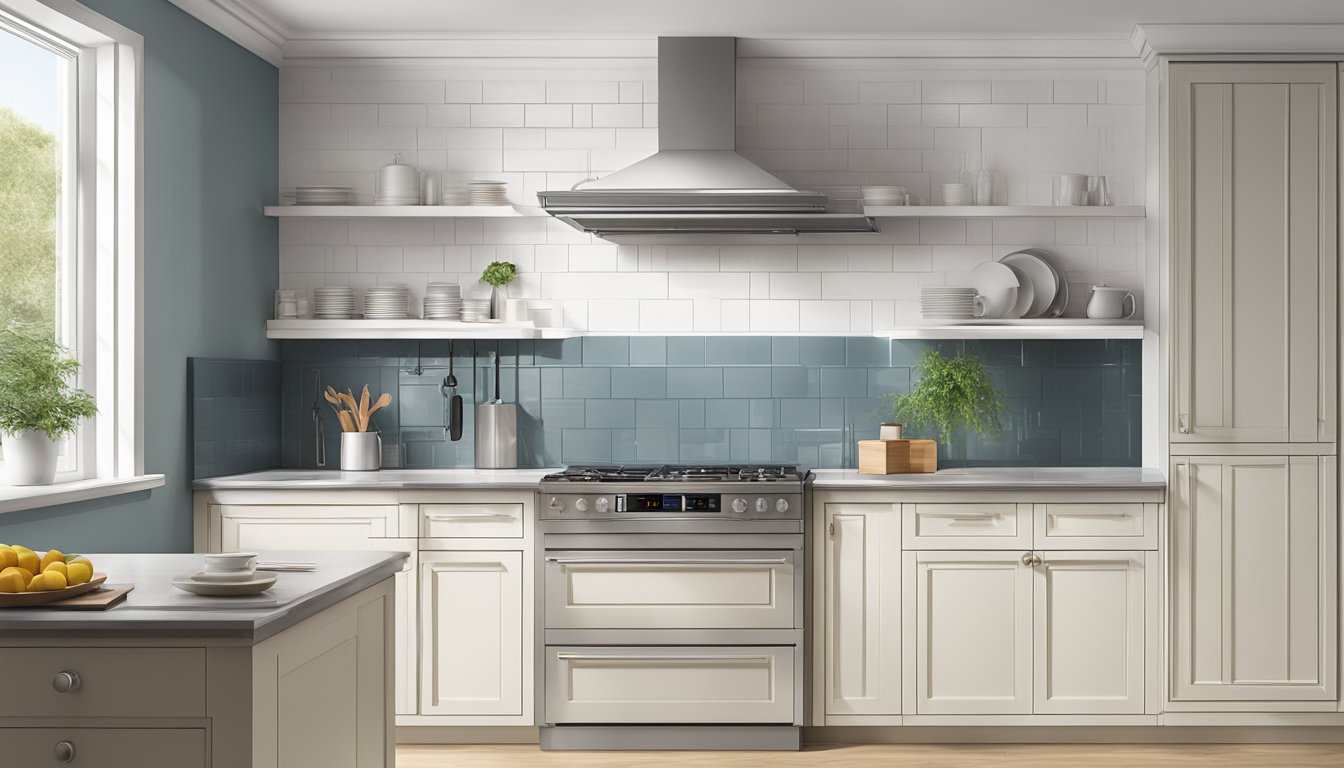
(793, 399)
(235, 421)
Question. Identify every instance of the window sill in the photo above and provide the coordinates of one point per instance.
(17, 498)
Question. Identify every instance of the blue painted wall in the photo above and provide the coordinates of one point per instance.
(802, 400)
(211, 112)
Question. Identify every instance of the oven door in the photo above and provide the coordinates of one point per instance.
(741, 684)
(670, 589)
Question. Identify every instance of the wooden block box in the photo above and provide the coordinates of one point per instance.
(897, 457)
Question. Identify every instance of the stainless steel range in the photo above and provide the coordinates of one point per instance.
(671, 608)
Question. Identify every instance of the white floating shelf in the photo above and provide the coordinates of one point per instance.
(403, 211)
(413, 328)
(1005, 211)
(1071, 328)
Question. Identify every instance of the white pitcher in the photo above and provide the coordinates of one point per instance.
(1109, 303)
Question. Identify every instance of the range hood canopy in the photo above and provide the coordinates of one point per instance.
(696, 183)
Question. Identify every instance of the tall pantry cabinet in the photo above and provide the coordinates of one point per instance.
(1254, 376)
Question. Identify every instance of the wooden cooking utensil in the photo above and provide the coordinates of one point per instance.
(363, 414)
(347, 423)
(384, 400)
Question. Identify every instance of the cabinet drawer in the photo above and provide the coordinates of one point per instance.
(669, 685)
(1096, 526)
(600, 589)
(105, 747)
(113, 682)
(471, 521)
(966, 526)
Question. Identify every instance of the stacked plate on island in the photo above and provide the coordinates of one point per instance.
(443, 301)
(387, 302)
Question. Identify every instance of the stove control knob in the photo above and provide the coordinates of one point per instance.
(581, 505)
(602, 503)
(782, 506)
(557, 503)
(739, 505)
(762, 505)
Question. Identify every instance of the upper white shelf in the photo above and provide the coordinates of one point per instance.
(1005, 211)
(411, 328)
(1063, 328)
(403, 211)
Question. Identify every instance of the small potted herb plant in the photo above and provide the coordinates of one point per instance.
(40, 405)
(952, 392)
(498, 275)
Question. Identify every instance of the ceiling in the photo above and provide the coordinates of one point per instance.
(747, 18)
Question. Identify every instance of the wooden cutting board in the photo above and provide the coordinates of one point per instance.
(97, 600)
(897, 457)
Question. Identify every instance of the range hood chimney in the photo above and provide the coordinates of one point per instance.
(696, 183)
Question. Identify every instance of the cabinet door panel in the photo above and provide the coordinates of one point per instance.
(1089, 643)
(471, 624)
(863, 588)
(1255, 252)
(1254, 578)
(973, 619)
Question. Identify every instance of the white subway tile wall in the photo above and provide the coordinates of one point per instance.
(822, 125)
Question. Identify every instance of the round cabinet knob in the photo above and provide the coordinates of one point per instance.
(602, 503)
(1028, 559)
(65, 682)
(762, 505)
(581, 505)
(64, 752)
(739, 505)
(782, 506)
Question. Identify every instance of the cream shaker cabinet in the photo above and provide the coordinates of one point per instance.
(1254, 210)
(862, 609)
(1253, 568)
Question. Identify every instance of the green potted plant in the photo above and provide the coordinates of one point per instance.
(498, 275)
(41, 405)
(952, 392)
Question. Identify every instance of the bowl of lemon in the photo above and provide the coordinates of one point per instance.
(29, 578)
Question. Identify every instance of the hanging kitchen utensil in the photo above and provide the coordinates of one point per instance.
(319, 431)
(496, 430)
(453, 400)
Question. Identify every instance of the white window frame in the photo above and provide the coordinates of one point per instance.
(109, 329)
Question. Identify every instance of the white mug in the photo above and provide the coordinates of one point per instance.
(1071, 189)
(231, 562)
(1109, 303)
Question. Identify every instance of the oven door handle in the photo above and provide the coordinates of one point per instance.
(667, 561)
(637, 657)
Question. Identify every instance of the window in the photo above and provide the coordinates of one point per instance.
(70, 220)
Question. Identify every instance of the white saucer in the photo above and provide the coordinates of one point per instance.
(223, 578)
(256, 586)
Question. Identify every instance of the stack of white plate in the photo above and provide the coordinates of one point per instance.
(487, 193)
(387, 302)
(940, 302)
(956, 194)
(443, 301)
(475, 310)
(880, 195)
(322, 195)
(396, 198)
(333, 302)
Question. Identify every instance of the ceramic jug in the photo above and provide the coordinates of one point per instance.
(1109, 303)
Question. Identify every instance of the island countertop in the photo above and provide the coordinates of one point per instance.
(386, 479)
(999, 479)
(156, 607)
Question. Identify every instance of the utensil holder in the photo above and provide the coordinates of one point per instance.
(361, 451)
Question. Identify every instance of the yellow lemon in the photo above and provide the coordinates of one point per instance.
(69, 559)
(23, 572)
(58, 566)
(52, 556)
(78, 573)
(28, 559)
(8, 556)
(12, 581)
(47, 581)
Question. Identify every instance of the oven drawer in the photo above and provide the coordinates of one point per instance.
(670, 685)
(688, 589)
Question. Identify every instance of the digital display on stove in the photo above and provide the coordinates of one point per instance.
(666, 502)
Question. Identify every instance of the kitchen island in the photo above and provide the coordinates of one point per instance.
(300, 675)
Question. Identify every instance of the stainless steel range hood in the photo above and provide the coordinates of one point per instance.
(696, 183)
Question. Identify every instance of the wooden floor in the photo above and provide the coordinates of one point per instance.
(922, 756)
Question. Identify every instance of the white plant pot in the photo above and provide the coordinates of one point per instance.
(30, 458)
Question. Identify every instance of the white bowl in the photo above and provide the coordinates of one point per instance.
(231, 562)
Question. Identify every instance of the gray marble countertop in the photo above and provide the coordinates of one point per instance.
(156, 607)
(386, 479)
(1000, 479)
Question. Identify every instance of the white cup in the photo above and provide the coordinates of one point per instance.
(1071, 189)
(231, 563)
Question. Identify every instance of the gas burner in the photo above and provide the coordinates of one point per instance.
(706, 473)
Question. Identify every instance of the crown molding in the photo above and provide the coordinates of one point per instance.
(1151, 40)
(255, 30)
